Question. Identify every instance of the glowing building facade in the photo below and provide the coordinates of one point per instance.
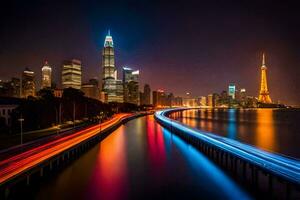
(28, 83)
(71, 74)
(110, 85)
(264, 95)
(131, 85)
(46, 75)
(231, 91)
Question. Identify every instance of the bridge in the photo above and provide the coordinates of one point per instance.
(249, 164)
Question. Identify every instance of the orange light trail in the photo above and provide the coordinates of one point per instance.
(17, 164)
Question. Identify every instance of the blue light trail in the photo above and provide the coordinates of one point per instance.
(282, 166)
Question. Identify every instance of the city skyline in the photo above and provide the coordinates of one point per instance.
(155, 53)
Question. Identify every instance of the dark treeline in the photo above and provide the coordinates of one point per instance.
(47, 110)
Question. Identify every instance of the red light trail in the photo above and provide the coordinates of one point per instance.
(17, 164)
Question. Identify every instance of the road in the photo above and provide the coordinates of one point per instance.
(17, 164)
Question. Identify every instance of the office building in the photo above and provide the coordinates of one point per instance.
(131, 85)
(46, 75)
(113, 90)
(71, 74)
(28, 83)
(231, 91)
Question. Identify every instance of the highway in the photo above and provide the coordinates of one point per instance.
(282, 166)
(17, 164)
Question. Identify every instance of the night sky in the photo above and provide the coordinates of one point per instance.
(189, 46)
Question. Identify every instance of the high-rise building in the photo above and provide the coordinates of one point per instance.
(202, 101)
(91, 89)
(46, 75)
(28, 83)
(71, 74)
(145, 96)
(210, 100)
(264, 95)
(131, 85)
(110, 85)
(162, 99)
(231, 91)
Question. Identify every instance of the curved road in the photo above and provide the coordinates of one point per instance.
(139, 160)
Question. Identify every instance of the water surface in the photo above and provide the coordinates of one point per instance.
(274, 130)
(140, 160)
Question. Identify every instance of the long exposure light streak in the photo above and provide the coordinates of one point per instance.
(17, 164)
(280, 165)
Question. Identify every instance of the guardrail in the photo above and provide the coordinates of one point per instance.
(263, 170)
(15, 174)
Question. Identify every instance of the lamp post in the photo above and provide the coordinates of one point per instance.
(74, 114)
(100, 120)
(21, 119)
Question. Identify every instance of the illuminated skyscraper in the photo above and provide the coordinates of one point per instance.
(110, 84)
(71, 74)
(231, 91)
(46, 75)
(131, 85)
(28, 84)
(264, 95)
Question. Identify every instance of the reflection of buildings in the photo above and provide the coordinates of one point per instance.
(46, 75)
(265, 137)
(131, 85)
(111, 87)
(28, 84)
(264, 96)
(71, 74)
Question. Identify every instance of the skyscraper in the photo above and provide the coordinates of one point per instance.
(71, 74)
(46, 75)
(147, 95)
(231, 91)
(131, 85)
(28, 84)
(110, 84)
(264, 95)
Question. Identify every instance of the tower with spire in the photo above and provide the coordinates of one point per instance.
(110, 85)
(264, 95)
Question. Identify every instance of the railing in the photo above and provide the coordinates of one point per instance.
(286, 169)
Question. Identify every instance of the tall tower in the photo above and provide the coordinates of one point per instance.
(112, 87)
(71, 74)
(46, 75)
(264, 95)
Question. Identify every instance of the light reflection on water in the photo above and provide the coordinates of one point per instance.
(268, 129)
(141, 160)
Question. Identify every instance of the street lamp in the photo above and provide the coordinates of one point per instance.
(100, 121)
(21, 126)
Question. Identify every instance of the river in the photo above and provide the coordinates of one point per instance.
(274, 130)
(139, 160)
